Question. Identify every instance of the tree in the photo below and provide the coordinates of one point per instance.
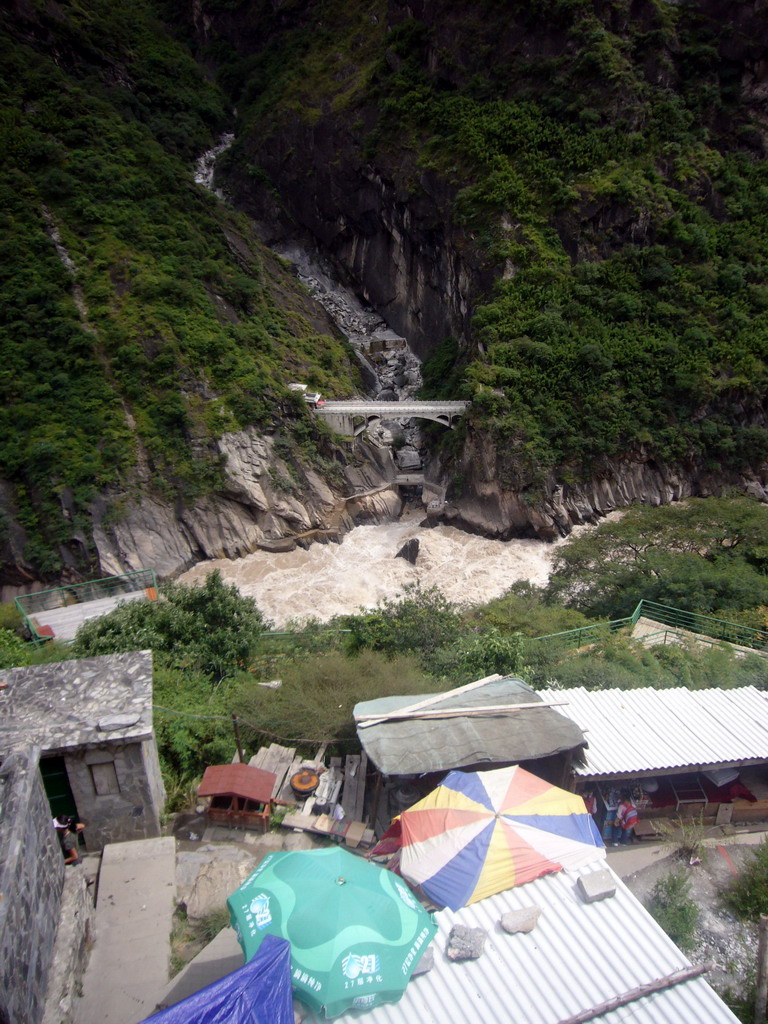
(420, 622)
(475, 655)
(209, 628)
(316, 697)
(704, 555)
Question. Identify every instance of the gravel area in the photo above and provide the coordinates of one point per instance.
(720, 938)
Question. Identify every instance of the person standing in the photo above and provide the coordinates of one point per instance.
(69, 843)
(64, 824)
(590, 801)
(626, 819)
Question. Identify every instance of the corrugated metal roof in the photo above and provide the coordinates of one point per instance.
(421, 745)
(578, 956)
(648, 730)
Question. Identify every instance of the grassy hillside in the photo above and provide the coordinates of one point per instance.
(141, 318)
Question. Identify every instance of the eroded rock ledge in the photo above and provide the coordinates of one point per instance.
(265, 504)
(552, 508)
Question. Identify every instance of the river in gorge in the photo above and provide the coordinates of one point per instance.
(332, 579)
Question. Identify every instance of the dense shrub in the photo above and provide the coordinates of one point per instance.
(672, 906)
(419, 620)
(210, 628)
(748, 896)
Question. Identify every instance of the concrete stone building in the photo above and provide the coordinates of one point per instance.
(92, 720)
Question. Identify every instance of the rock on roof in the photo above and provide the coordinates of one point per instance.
(77, 703)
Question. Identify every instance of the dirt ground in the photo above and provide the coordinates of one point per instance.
(720, 938)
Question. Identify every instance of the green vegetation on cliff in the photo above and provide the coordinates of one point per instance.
(620, 182)
(142, 318)
(605, 162)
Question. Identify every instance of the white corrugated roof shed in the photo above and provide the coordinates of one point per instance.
(578, 956)
(648, 730)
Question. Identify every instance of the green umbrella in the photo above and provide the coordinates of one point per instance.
(356, 931)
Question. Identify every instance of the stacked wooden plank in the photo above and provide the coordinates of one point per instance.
(353, 794)
(278, 760)
(349, 781)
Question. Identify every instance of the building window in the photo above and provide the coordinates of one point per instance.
(104, 778)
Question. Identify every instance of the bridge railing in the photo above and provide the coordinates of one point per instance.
(706, 625)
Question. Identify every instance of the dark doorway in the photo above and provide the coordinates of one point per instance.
(57, 788)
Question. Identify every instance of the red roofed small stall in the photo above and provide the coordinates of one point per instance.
(239, 795)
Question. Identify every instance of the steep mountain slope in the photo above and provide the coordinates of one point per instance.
(145, 327)
(562, 202)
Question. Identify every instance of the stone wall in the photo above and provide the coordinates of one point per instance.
(70, 953)
(31, 881)
(118, 791)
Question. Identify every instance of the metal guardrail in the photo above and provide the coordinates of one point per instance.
(310, 636)
(91, 590)
(30, 605)
(665, 636)
(706, 625)
(717, 630)
(586, 634)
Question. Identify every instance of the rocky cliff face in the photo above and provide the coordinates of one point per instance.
(553, 507)
(393, 240)
(265, 504)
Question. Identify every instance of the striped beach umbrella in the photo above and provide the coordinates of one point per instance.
(479, 833)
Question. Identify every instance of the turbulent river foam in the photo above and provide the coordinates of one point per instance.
(332, 579)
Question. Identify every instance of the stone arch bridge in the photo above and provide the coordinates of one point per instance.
(351, 418)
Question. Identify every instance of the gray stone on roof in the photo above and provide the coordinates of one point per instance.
(600, 885)
(70, 704)
(465, 943)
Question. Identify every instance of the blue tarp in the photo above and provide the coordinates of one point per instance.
(258, 993)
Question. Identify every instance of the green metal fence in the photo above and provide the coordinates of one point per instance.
(706, 625)
(716, 630)
(583, 635)
(30, 605)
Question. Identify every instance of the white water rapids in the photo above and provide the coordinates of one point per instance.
(333, 579)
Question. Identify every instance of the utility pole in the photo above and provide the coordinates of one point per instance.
(237, 738)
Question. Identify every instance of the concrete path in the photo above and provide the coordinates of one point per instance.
(626, 860)
(66, 621)
(127, 972)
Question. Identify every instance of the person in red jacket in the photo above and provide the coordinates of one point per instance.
(626, 819)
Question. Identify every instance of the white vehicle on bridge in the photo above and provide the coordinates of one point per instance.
(312, 398)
